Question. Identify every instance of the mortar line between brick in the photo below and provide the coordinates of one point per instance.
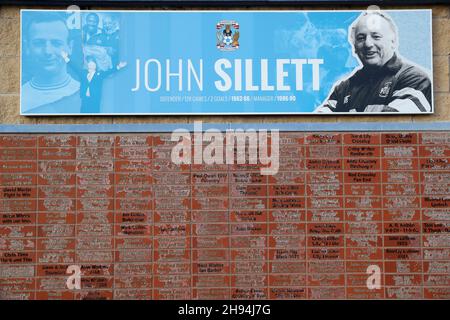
(36, 220)
(191, 217)
(267, 240)
(230, 226)
(344, 215)
(153, 215)
(419, 140)
(306, 150)
(383, 269)
(114, 215)
(77, 139)
(305, 212)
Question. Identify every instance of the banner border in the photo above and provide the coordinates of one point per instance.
(284, 127)
(429, 10)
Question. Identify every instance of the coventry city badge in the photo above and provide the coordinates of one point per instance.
(384, 92)
(227, 35)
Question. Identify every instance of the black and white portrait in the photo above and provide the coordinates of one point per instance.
(384, 81)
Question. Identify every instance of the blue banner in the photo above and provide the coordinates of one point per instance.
(231, 62)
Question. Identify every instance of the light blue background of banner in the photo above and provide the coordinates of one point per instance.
(263, 35)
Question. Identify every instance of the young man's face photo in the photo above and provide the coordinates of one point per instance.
(46, 42)
(92, 23)
(374, 40)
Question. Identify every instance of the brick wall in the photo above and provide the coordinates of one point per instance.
(140, 227)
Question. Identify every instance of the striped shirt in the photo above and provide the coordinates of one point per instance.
(395, 87)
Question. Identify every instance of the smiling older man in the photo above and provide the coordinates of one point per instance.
(384, 83)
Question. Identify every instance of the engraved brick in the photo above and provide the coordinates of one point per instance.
(323, 152)
(326, 279)
(12, 271)
(57, 192)
(94, 295)
(281, 215)
(95, 166)
(95, 141)
(402, 214)
(15, 257)
(323, 138)
(326, 293)
(132, 191)
(172, 216)
(131, 179)
(403, 292)
(284, 177)
(361, 151)
(133, 230)
(17, 244)
(11, 154)
(17, 231)
(437, 293)
(136, 140)
(17, 179)
(56, 204)
(250, 267)
(249, 293)
(210, 281)
(134, 281)
(133, 294)
(325, 215)
(17, 141)
(54, 141)
(172, 281)
(434, 164)
(248, 241)
(172, 294)
(57, 166)
(17, 218)
(49, 257)
(211, 293)
(361, 138)
(17, 166)
(210, 216)
(133, 217)
(248, 203)
(56, 153)
(16, 284)
(56, 244)
(172, 243)
(289, 293)
(247, 178)
(94, 256)
(133, 165)
(248, 229)
(173, 230)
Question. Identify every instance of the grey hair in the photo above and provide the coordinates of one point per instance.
(386, 17)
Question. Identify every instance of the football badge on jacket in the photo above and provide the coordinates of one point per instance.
(227, 35)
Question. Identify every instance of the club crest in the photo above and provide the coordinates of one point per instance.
(227, 35)
(384, 92)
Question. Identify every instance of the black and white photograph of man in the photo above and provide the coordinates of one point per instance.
(385, 81)
(50, 88)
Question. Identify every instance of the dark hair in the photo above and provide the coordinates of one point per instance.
(45, 17)
(91, 58)
(93, 14)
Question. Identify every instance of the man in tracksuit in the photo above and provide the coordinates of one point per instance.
(385, 83)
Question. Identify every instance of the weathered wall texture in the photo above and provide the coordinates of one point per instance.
(9, 83)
